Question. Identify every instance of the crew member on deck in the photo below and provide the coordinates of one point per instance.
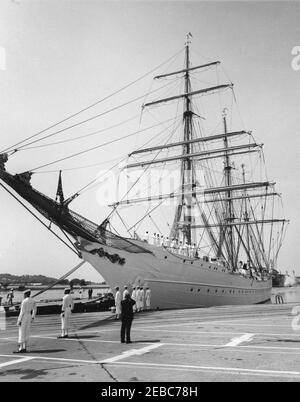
(26, 316)
(66, 310)
(118, 299)
(157, 240)
(154, 239)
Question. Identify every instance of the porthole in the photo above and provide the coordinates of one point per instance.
(216, 291)
(199, 290)
(192, 262)
(207, 290)
(183, 260)
(191, 289)
(166, 257)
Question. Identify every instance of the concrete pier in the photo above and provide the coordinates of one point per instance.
(246, 343)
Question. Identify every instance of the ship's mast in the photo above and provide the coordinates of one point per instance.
(187, 171)
(225, 197)
(229, 216)
(246, 217)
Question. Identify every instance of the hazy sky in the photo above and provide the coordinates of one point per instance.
(59, 56)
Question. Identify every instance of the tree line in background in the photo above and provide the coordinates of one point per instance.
(9, 279)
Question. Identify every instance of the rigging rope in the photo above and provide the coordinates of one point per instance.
(79, 192)
(60, 279)
(92, 105)
(84, 166)
(81, 136)
(96, 147)
(86, 120)
(32, 213)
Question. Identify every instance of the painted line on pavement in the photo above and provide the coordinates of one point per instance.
(217, 347)
(211, 368)
(237, 341)
(23, 359)
(216, 333)
(132, 352)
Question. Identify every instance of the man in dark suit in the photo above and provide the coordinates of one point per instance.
(127, 317)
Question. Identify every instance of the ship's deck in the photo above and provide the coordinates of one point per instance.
(246, 343)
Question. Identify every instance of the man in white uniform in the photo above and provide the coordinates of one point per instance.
(26, 316)
(138, 299)
(172, 246)
(133, 296)
(154, 239)
(148, 298)
(125, 291)
(118, 300)
(66, 310)
(142, 298)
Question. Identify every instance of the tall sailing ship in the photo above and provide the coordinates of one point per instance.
(218, 236)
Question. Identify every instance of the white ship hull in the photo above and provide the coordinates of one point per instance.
(176, 281)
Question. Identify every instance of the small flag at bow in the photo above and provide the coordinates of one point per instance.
(59, 193)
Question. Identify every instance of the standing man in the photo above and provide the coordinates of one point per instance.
(127, 317)
(10, 296)
(26, 316)
(142, 298)
(125, 291)
(66, 310)
(118, 300)
(138, 299)
(148, 298)
(133, 296)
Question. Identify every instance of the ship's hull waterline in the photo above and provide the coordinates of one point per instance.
(176, 281)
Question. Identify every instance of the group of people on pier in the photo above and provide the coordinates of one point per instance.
(127, 304)
(141, 295)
